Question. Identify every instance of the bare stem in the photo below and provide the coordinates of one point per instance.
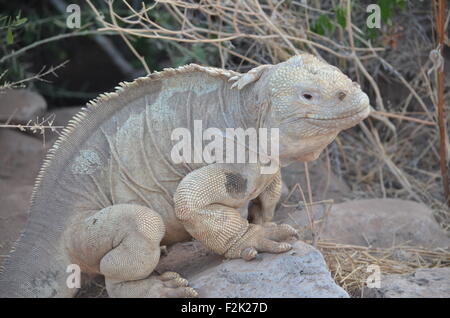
(440, 16)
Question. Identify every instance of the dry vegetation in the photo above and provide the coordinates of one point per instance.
(349, 264)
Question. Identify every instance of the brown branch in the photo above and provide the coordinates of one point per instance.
(402, 117)
(439, 7)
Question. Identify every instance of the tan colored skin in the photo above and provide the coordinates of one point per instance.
(113, 197)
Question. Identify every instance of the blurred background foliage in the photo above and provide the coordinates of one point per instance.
(23, 23)
(90, 71)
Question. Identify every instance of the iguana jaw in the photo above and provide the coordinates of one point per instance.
(340, 120)
(354, 113)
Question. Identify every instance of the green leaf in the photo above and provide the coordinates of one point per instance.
(322, 24)
(326, 22)
(401, 4)
(316, 28)
(20, 22)
(199, 53)
(9, 37)
(372, 33)
(3, 20)
(341, 16)
(387, 9)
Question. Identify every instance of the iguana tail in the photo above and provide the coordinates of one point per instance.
(35, 267)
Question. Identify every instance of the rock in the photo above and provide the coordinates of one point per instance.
(15, 200)
(21, 105)
(187, 259)
(324, 184)
(20, 160)
(378, 223)
(20, 156)
(301, 272)
(423, 283)
(385, 223)
(61, 117)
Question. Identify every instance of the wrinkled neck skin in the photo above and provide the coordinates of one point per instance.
(293, 147)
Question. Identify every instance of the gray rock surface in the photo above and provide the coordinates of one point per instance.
(20, 159)
(13, 213)
(187, 259)
(301, 272)
(20, 156)
(21, 105)
(377, 223)
(324, 184)
(61, 117)
(423, 283)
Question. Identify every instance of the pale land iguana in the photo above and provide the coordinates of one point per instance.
(108, 195)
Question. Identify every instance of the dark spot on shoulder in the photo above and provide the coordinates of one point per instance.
(235, 183)
(95, 221)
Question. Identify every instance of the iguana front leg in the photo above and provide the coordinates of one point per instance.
(206, 201)
(263, 207)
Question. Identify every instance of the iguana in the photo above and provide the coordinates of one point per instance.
(109, 195)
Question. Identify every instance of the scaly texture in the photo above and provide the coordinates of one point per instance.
(109, 193)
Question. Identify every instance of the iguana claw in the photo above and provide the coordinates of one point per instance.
(262, 238)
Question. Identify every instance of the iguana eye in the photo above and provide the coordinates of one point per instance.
(307, 96)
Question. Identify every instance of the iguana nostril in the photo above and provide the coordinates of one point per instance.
(341, 95)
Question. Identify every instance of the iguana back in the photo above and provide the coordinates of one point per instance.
(117, 150)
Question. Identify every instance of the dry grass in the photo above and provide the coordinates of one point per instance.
(39, 76)
(349, 263)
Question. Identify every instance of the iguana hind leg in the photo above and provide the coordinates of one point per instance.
(206, 201)
(263, 207)
(123, 243)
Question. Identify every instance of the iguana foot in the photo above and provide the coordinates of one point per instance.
(175, 286)
(262, 238)
(167, 285)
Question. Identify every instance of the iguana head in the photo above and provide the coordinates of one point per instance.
(310, 102)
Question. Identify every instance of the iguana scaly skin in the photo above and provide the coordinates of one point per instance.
(108, 194)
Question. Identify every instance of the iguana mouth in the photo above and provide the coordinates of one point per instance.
(346, 115)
